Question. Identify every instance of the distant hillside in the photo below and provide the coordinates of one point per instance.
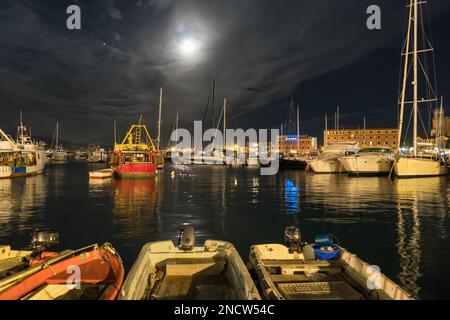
(68, 145)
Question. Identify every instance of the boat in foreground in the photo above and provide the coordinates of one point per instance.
(15, 261)
(91, 273)
(321, 271)
(212, 271)
(369, 161)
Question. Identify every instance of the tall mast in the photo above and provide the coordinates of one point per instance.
(326, 130)
(416, 17)
(298, 130)
(115, 133)
(405, 76)
(176, 128)
(364, 131)
(159, 118)
(214, 101)
(225, 123)
(57, 133)
(337, 118)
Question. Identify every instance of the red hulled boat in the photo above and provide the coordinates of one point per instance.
(135, 157)
(91, 273)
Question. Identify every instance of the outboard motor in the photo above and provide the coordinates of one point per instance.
(186, 238)
(42, 239)
(292, 238)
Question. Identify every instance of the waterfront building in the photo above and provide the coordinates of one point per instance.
(293, 145)
(445, 128)
(371, 137)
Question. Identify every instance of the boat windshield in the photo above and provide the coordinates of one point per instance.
(375, 150)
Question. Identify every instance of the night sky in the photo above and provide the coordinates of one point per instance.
(259, 51)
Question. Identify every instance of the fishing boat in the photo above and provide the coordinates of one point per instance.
(327, 161)
(319, 271)
(20, 157)
(96, 154)
(91, 273)
(212, 271)
(135, 157)
(418, 46)
(369, 161)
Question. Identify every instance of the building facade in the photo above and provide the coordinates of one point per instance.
(445, 124)
(290, 145)
(374, 137)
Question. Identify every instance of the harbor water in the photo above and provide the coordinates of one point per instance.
(402, 226)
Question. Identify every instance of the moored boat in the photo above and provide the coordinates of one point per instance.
(369, 161)
(327, 161)
(101, 174)
(91, 273)
(21, 157)
(212, 271)
(419, 89)
(321, 271)
(135, 157)
(15, 261)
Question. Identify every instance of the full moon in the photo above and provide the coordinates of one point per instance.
(189, 46)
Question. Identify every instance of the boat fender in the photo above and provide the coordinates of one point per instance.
(308, 252)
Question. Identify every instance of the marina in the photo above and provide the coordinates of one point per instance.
(163, 168)
(405, 215)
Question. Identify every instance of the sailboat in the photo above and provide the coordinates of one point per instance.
(216, 156)
(57, 154)
(292, 159)
(22, 157)
(417, 164)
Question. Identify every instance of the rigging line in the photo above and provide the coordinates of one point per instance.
(423, 125)
(173, 129)
(407, 128)
(430, 86)
(425, 67)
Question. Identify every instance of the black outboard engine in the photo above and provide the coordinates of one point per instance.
(292, 238)
(186, 238)
(42, 239)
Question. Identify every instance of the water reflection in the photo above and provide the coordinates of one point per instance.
(20, 200)
(417, 198)
(135, 206)
(291, 197)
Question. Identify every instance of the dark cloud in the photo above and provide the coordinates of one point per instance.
(258, 51)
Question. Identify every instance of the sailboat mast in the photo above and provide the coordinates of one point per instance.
(298, 130)
(115, 133)
(416, 17)
(57, 133)
(225, 123)
(405, 77)
(159, 118)
(326, 130)
(176, 128)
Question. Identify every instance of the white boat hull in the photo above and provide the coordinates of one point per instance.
(419, 167)
(11, 171)
(331, 165)
(367, 164)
